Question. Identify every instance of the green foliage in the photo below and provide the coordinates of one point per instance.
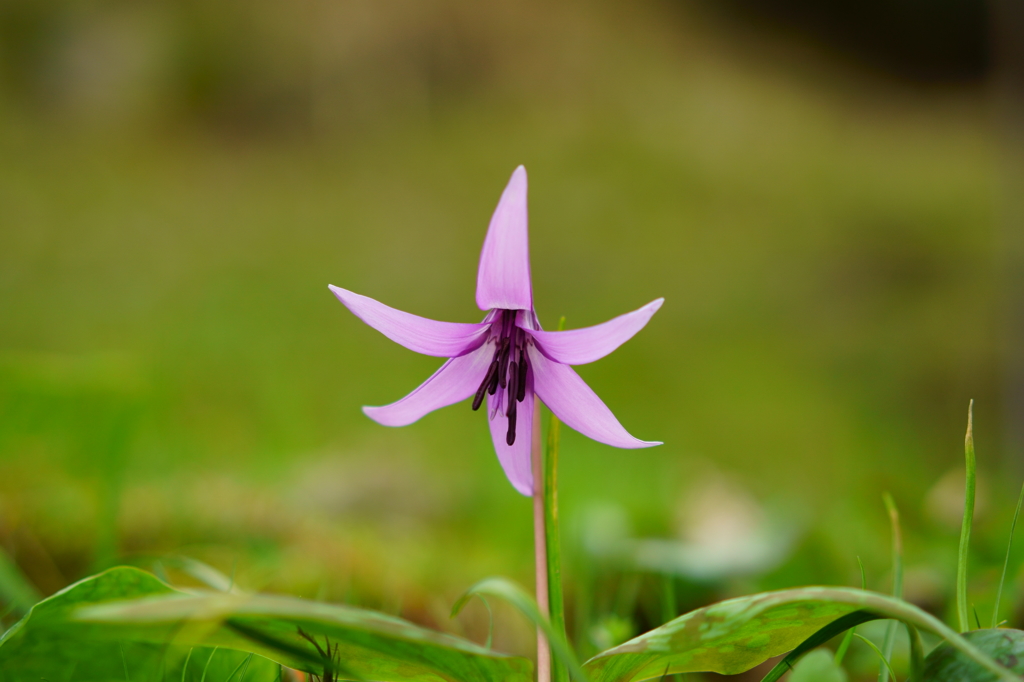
(818, 666)
(848, 639)
(965, 528)
(897, 586)
(48, 644)
(556, 600)
(946, 664)
(511, 593)
(847, 623)
(1006, 561)
(90, 631)
(735, 635)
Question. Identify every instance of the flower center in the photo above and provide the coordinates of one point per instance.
(508, 369)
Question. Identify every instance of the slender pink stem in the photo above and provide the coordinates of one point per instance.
(540, 552)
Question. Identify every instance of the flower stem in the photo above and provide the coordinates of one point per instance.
(540, 553)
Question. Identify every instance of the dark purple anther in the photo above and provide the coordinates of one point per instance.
(510, 437)
(523, 368)
(492, 387)
(513, 384)
(485, 385)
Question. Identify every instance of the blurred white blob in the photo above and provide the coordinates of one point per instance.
(722, 532)
(945, 501)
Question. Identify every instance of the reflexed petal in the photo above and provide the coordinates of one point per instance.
(456, 380)
(515, 458)
(580, 346)
(572, 401)
(503, 280)
(440, 339)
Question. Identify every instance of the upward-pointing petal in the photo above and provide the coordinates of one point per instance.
(430, 337)
(456, 380)
(580, 346)
(503, 280)
(572, 401)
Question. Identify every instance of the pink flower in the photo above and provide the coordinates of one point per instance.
(507, 358)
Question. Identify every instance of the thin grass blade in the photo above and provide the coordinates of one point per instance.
(965, 528)
(1006, 561)
(848, 639)
(512, 594)
(885, 661)
(897, 584)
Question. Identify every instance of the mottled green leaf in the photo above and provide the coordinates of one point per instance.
(735, 635)
(48, 645)
(946, 664)
(363, 644)
(818, 666)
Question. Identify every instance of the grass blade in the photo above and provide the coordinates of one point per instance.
(965, 528)
(897, 584)
(512, 594)
(916, 654)
(1006, 561)
(207, 666)
(185, 667)
(849, 623)
(885, 661)
(845, 645)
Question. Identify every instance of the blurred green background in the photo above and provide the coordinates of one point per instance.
(819, 198)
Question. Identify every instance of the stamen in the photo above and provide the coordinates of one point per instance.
(484, 385)
(510, 437)
(513, 385)
(503, 366)
(492, 387)
(523, 369)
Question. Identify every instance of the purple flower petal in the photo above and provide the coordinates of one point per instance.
(515, 458)
(580, 346)
(456, 380)
(572, 401)
(440, 339)
(503, 280)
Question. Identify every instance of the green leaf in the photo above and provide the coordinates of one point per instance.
(354, 643)
(735, 635)
(47, 644)
(946, 664)
(508, 591)
(847, 623)
(848, 639)
(818, 666)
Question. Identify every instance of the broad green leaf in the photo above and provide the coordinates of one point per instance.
(735, 635)
(818, 666)
(847, 624)
(946, 664)
(361, 644)
(46, 644)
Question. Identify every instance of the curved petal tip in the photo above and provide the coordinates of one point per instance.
(503, 279)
